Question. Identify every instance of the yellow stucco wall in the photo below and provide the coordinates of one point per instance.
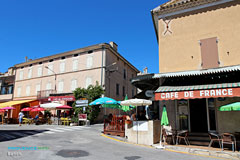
(180, 50)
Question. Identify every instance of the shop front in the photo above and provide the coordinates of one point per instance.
(197, 107)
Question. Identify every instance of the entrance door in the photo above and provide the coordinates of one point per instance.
(198, 115)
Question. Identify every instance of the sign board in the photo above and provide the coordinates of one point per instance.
(82, 116)
(61, 98)
(81, 103)
(149, 93)
(211, 93)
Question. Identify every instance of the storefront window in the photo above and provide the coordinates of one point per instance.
(183, 114)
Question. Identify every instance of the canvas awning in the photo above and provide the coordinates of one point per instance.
(12, 103)
(198, 72)
(198, 91)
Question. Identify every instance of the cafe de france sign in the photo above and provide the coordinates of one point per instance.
(211, 93)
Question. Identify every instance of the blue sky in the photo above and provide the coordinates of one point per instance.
(39, 28)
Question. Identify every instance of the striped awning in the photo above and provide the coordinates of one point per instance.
(198, 72)
(197, 87)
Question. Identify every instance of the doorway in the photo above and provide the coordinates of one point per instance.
(198, 115)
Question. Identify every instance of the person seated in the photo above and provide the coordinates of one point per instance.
(36, 118)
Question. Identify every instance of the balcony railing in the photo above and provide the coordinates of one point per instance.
(45, 93)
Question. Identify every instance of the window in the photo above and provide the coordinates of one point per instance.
(74, 84)
(30, 73)
(39, 73)
(49, 86)
(89, 61)
(88, 81)
(75, 65)
(38, 88)
(28, 90)
(62, 67)
(123, 91)
(60, 86)
(3, 91)
(124, 73)
(117, 89)
(10, 89)
(50, 69)
(19, 90)
(21, 75)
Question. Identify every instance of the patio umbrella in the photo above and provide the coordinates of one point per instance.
(164, 121)
(50, 105)
(64, 107)
(26, 109)
(136, 102)
(5, 108)
(126, 108)
(103, 100)
(37, 109)
(230, 107)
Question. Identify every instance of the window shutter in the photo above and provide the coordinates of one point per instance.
(75, 64)
(88, 81)
(38, 87)
(30, 73)
(60, 86)
(49, 86)
(50, 70)
(27, 90)
(89, 61)
(21, 75)
(74, 84)
(62, 67)
(39, 71)
(19, 90)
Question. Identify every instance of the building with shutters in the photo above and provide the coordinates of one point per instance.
(55, 77)
(199, 65)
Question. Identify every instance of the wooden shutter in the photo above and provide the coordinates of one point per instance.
(209, 53)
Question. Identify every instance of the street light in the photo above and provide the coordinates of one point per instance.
(54, 75)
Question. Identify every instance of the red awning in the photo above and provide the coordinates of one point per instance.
(200, 91)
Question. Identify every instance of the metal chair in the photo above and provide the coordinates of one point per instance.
(182, 135)
(228, 138)
(214, 136)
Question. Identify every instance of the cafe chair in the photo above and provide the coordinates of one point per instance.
(182, 135)
(214, 136)
(228, 138)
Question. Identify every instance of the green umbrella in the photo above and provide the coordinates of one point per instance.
(230, 107)
(164, 119)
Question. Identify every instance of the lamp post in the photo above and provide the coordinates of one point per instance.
(55, 75)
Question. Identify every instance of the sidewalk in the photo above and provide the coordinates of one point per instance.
(196, 150)
(201, 150)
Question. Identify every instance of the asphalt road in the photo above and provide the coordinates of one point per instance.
(45, 142)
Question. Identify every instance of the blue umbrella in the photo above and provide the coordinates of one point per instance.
(104, 100)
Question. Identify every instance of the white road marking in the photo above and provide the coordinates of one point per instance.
(49, 132)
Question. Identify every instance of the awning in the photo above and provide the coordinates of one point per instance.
(11, 103)
(198, 91)
(198, 72)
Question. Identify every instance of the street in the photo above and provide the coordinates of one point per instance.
(74, 142)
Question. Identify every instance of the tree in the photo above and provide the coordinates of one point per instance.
(91, 93)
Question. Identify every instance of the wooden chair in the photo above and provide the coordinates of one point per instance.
(214, 136)
(182, 135)
(228, 138)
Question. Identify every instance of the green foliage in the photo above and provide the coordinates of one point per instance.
(91, 93)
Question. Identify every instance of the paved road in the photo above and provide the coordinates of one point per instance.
(45, 142)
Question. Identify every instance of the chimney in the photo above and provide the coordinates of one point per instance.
(145, 70)
(26, 59)
(114, 45)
